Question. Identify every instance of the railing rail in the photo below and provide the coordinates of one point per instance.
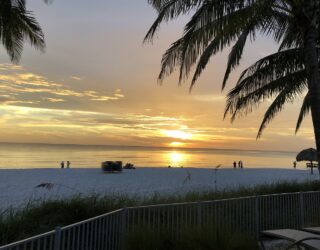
(34, 238)
(249, 215)
(91, 219)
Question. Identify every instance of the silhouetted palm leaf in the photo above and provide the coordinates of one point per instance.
(18, 25)
(281, 77)
(305, 109)
(217, 24)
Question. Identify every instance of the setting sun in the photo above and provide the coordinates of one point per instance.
(177, 144)
(178, 134)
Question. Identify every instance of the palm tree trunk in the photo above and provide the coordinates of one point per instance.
(312, 66)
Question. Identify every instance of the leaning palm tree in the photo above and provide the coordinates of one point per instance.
(18, 25)
(280, 76)
(216, 24)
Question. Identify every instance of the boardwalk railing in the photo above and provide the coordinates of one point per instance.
(248, 215)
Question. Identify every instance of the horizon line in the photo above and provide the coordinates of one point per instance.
(140, 146)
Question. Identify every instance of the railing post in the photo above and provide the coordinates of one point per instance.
(123, 227)
(301, 209)
(57, 238)
(257, 215)
(199, 214)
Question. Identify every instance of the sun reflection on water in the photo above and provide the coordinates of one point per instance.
(176, 159)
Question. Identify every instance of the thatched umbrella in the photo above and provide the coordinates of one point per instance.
(309, 154)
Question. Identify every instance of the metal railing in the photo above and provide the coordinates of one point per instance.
(247, 215)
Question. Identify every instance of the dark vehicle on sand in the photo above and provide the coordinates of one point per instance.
(111, 166)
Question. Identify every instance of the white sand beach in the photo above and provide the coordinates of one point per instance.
(17, 187)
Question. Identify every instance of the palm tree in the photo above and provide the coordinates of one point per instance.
(18, 25)
(281, 76)
(285, 75)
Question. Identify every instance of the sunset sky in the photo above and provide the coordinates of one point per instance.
(96, 83)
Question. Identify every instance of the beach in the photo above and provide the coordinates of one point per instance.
(18, 186)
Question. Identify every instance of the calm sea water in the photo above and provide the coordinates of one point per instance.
(50, 156)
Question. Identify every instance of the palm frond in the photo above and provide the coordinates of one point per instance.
(305, 109)
(292, 37)
(205, 27)
(204, 59)
(216, 25)
(229, 21)
(236, 53)
(17, 25)
(266, 70)
(288, 94)
(169, 9)
(245, 101)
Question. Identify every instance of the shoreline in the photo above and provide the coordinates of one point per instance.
(149, 147)
(298, 168)
(18, 186)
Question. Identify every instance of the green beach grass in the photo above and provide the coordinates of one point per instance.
(44, 216)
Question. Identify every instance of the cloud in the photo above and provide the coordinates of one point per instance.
(34, 89)
(53, 99)
(33, 107)
(77, 78)
(88, 127)
(209, 98)
(89, 122)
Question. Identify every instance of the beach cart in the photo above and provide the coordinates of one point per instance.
(111, 166)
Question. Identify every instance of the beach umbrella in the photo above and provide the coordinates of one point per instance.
(309, 154)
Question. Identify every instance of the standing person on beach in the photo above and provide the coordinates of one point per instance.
(294, 164)
(239, 164)
(68, 164)
(62, 164)
(234, 164)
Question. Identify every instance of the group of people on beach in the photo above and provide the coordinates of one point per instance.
(240, 164)
(67, 164)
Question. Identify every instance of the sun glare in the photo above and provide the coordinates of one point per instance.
(177, 134)
(176, 144)
(176, 159)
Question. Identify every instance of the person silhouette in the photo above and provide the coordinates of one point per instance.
(234, 164)
(68, 164)
(62, 164)
(239, 164)
(294, 164)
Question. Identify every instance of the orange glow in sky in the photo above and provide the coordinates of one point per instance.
(177, 134)
(98, 85)
(177, 144)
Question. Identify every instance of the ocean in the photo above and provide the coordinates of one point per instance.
(17, 156)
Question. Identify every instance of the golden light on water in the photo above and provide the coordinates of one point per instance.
(176, 159)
